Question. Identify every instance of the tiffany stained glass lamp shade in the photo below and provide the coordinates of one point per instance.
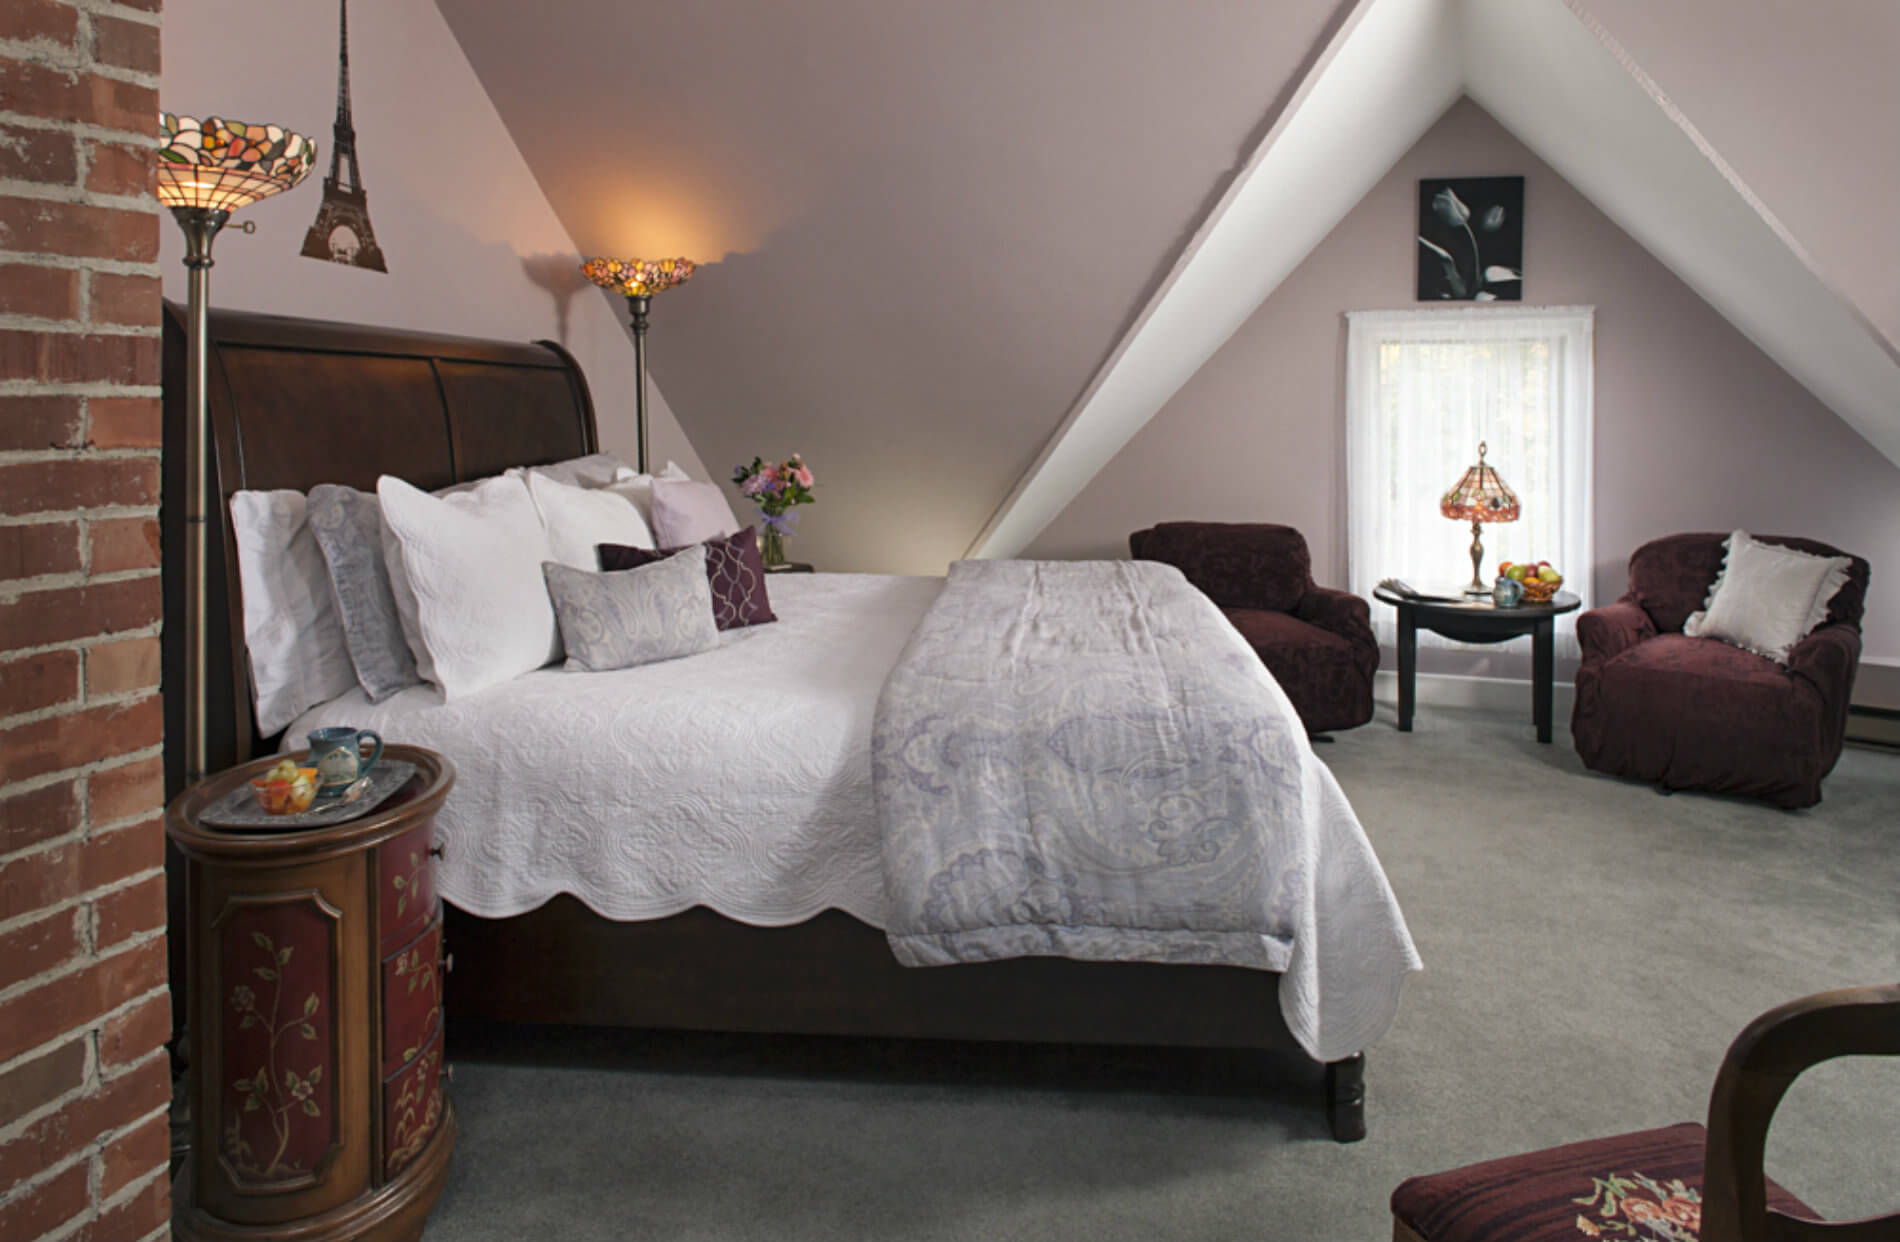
(206, 170)
(1479, 497)
(639, 280)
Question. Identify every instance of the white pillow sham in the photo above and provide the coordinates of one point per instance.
(638, 488)
(466, 573)
(1767, 598)
(577, 519)
(298, 655)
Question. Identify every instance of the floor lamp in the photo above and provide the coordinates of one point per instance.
(639, 279)
(206, 170)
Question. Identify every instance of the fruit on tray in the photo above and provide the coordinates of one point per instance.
(286, 789)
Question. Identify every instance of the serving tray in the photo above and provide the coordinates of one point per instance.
(238, 809)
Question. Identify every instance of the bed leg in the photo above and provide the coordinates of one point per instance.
(1346, 1098)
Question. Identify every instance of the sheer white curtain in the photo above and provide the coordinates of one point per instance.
(1423, 388)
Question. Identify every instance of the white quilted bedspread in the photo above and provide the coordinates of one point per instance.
(738, 778)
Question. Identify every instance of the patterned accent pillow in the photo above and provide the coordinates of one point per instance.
(733, 567)
(636, 616)
(348, 525)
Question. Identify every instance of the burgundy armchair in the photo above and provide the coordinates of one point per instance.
(1317, 643)
(1697, 713)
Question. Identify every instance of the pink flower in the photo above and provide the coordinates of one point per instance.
(754, 485)
(769, 473)
(803, 476)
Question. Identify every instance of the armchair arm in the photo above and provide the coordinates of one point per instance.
(1607, 632)
(1828, 659)
(1340, 612)
(1761, 1065)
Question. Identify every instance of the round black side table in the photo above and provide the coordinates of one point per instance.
(1478, 620)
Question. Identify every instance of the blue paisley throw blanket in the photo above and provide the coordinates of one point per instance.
(1086, 760)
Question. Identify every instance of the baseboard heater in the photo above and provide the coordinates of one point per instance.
(1874, 726)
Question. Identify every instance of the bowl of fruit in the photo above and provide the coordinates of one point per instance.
(1539, 580)
(286, 789)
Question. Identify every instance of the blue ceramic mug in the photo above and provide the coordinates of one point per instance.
(337, 752)
(1508, 592)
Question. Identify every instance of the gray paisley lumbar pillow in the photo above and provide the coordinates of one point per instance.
(348, 525)
(633, 616)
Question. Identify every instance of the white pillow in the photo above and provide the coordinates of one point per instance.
(466, 573)
(291, 629)
(638, 488)
(578, 518)
(593, 470)
(1768, 598)
(686, 511)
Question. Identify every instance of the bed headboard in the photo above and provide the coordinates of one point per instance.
(298, 402)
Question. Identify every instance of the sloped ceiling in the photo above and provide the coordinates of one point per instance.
(935, 232)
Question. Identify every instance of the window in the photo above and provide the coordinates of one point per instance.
(1422, 389)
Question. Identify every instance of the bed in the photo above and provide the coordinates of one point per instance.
(788, 941)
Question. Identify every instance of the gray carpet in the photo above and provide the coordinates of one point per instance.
(1590, 946)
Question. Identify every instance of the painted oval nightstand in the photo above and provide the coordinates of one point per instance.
(314, 981)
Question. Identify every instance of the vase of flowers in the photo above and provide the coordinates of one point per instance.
(776, 487)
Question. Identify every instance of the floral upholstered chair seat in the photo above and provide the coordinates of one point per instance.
(1681, 1183)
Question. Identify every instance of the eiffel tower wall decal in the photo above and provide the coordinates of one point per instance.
(342, 233)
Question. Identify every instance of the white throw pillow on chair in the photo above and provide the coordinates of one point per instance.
(1768, 598)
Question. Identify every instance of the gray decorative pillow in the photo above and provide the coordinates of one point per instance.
(348, 525)
(633, 616)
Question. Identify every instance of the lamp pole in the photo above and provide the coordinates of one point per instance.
(201, 226)
(637, 305)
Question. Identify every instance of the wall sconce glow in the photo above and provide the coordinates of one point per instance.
(222, 165)
(639, 279)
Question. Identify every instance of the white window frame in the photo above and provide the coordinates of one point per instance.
(1407, 443)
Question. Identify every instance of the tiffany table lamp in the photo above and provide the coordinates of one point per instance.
(206, 170)
(639, 279)
(1479, 497)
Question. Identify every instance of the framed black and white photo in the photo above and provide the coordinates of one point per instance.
(1471, 239)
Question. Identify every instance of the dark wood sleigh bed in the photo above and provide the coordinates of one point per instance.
(295, 403)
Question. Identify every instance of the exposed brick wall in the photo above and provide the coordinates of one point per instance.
(84, 1080)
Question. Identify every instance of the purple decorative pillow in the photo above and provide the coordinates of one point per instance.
(733, 567)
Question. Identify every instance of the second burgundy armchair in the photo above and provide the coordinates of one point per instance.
(1317, 643)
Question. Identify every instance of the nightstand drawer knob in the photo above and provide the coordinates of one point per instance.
(448, 963)
(448, 1071)
(437, 850)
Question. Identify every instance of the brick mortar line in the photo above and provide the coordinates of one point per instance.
(108, 8)
(81, 263)
(26, 457)
(33, 784)
(81, 129)
(75, 904)
(149, 630)
(76, 195)
(67, 582)
(103, 513)
(91, 1149)
(77, 388)
(13, 1129)
(74, 327)
(74, 706)
(90, 958)
(93, 1076)
(76, 59)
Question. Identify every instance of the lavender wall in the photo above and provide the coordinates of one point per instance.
(1695, 428)
(473, 247)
